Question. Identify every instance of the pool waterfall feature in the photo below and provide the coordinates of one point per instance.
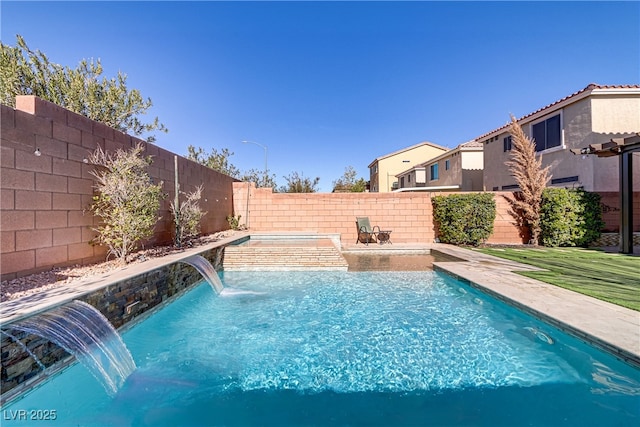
(122, 303)
(207, 271)
(85, 333)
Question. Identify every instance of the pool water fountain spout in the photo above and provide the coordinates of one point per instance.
(84, 332)
(207, 271)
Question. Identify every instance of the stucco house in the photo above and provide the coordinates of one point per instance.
(383, 170)
(595, 114)
(458, 169)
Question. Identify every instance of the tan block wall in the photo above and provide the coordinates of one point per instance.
(409, 215)
(43, 208)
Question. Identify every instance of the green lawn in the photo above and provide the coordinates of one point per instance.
(606, 276)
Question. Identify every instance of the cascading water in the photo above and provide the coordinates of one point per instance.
(207, 271)
(85, 333)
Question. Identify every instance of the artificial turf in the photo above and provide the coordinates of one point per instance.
(606, 276)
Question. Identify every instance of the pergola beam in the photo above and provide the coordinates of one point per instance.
(626, 202)
(623, 147)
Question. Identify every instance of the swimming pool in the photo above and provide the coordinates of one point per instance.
(379, 348)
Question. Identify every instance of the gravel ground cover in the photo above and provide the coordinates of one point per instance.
(28, 285)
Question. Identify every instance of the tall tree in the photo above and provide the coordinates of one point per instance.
(348, 182)
(531, 177)
(215, 160)
(298, 183)
(82, 90)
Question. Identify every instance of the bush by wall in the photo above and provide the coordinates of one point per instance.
(570, 217)
(464, 219)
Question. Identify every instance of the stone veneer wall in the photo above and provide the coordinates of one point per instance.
(613, 240)
(44, 220)
(408, 214)
(150, 289)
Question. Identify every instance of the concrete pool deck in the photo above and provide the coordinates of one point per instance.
(608, 326)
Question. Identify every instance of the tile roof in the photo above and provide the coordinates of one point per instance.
(407, 149)
(589, 88)
(470, 144)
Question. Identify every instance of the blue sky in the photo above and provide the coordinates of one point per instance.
(325, 85)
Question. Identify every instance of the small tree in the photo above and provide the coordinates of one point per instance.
(218, 161)
(127, 200)
(348, 182)
(297, 183)
(187, 216)
(531, 177)
(262, 181)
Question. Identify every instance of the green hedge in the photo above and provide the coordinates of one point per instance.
(570, 217)
(464, 219)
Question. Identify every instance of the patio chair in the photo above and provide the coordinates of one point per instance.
(366, 233)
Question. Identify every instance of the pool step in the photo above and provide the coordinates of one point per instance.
(271, 258)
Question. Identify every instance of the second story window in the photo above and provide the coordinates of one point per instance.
(447, 165)
(506, 144)
(433, 169)
(547, 133)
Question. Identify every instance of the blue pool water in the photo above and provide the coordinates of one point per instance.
(347, 348)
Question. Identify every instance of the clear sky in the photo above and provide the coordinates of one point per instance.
(325, 85)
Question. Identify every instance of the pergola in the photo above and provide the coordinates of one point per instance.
(623, 147)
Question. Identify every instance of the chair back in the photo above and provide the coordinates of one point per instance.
(363, 224)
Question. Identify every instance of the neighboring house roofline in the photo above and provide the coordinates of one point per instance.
(592, 89)
(434, 188)
(377, 159)
(472, 145)
(416, 167)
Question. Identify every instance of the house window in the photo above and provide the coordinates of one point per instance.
(402, 182)
(506, 144)
(447, 165)
(564, 180)
(408, 178)
(434, 172)
(547, 133)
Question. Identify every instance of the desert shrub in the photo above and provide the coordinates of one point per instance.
(126, 200)
(187, 216)
(570, 217)
(464, 219)
(526, 167)
(234, 222)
